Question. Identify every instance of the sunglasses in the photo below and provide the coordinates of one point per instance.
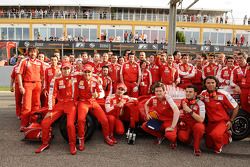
(87, 72)
(121, 89)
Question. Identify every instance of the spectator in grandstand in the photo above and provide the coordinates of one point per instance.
(219, 122)
(186, 71)
(65, 91)
(162, 108)
(30, 75)
(89, 91)
(125, 35)
(146, 79)
(130, 75)
(131, 37)
(245, 20)
(136, 37)
(191, 123)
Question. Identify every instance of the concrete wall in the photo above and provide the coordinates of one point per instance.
(5, 73)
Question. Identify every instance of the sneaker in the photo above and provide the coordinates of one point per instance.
(72, 148)
(197, 152)
(113, 139)
(230, 139)
(81, 146)
(42, 148)
(109, 141)
(218, 151)
(159, 140)
(173, 145)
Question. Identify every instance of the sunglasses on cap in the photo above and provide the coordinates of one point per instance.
(87, 72)
(121, 89)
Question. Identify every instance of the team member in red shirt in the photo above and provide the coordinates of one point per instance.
(177, 57)
(192, 120)
(211, 68)
(97, 64)
(219, 122)
(50, 73)
(77, 67)
(130, 75)
(85, 59)
(121, 60)
(154, 69)
(89, 90)
(165, 109)
(18, 95)
(105, 60)
(240, 80)
(30, 75)
(114, 106)
(197, 79)
(186, 71)
(146, 79)
(224, 74)
(106, 81)
(114, 71)
(65, 91)
(169, 74)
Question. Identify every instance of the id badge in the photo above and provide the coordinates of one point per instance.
(142, 83)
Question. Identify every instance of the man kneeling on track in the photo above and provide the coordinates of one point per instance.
(65, 90)
(163, 113)
(114, 106)
(217, 103)
(191, 122)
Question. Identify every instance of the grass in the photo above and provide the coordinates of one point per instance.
(4, 88)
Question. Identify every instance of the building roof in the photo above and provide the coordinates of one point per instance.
(158, 4)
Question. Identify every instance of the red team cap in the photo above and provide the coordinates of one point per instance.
(66, 64)
(87, 67)
(121, 85)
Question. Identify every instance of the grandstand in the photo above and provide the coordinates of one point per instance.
(96, 21)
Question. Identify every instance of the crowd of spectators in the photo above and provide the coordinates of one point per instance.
(88, 13)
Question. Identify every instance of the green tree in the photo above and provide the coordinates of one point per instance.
(180, 37)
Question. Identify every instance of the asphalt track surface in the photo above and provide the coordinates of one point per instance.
(14, 152)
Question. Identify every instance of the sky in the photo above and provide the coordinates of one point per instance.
(239, 8)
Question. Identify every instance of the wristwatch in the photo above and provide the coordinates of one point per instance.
(191, 113)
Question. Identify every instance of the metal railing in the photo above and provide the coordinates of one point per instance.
(121, 16)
